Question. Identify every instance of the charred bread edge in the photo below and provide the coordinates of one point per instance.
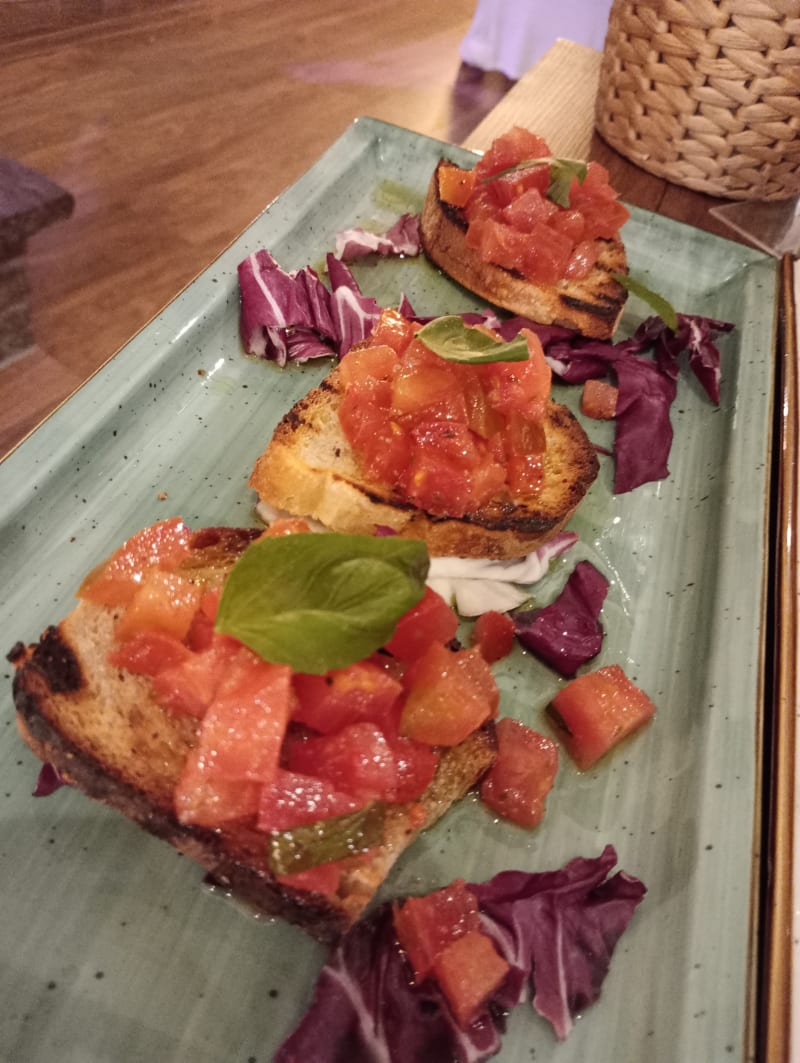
(595, 315)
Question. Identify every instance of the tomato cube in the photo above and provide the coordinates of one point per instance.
(430, 620)
(163, 602)
(493, 634)
(377, 362)
(149, 652)
(469, 970)
(416, 767)
(450, 695)
(599, 400)
(425, 926)
(362, 691)
(162, 545)
(239, 743)
(357, 760)
(522, 774)
(597, 710)
(292, 799)
(324, 879)
(394, 330)
(188, 687)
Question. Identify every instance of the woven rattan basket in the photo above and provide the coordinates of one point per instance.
(706, 93)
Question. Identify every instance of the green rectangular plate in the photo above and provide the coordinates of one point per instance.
(110, 947)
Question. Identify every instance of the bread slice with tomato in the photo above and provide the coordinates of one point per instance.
(402, 441)
(137, 702)
(530, 234)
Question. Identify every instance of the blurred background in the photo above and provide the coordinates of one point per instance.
(172, 124)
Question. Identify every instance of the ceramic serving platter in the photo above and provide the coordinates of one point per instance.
(111, 948)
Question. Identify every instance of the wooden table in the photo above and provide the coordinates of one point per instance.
(556, 100)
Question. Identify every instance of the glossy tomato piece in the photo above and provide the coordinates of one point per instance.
(450, 694)
(163, 601)
(416, 387)
(383, 446)
(163, 545)
(239, 741)
(455, 185)
(425, 926)
(362, 691)
(509, 149)
(214, 802)
(188, 687)
(469, 971)
(201, 631)
(493, 634)
(430, 620)
(597, 710)
(293, 799)
(522, 774)
(149, 652)
(528, 210)
(356, 760)
(599, 400)
(416, 766)
(394, 330)
(362, 364)
(324, 879)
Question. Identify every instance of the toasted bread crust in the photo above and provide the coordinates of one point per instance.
(102, 730)
(309, 469)
(591, 306)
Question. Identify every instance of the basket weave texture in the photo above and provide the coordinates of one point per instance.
(706, 93)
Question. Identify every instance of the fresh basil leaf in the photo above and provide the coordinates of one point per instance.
(311, 844)
(561, 173)
(662, 307)
(454, 341)
(321, 601)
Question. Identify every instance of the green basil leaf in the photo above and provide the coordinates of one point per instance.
(311, 844)
(561, 173)
(656, 302)
(454, 341)
(321, 601)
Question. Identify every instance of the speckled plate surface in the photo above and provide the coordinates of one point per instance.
(110, 947)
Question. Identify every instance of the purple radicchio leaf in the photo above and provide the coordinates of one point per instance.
(355, 314)
(643, 436)
(401, 239)
(559, 929)
(49, 781)
(556, 929)
(567, 633)
(275, 303)
(366, 1007)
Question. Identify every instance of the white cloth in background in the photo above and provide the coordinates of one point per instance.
(511, 35)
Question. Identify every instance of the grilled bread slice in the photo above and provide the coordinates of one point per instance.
(101, 728)
(309, 469)
(592, 306)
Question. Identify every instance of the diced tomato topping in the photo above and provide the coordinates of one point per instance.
(163, 545)
(239, 743)
(430, 620)
(455, 185)
(469, 970)
(511, 222)
(324, 879)
(357, 760)
(188, 687)
(522, 774)
(163, 601)
(425, 926)
(493, 634)
(201, 631)
(416, 767)
(394, 330)
(375, 362)
(450, 695)
(149, 652)
(597, 710)
(599, 400)
(293, 799)
(362, 691)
